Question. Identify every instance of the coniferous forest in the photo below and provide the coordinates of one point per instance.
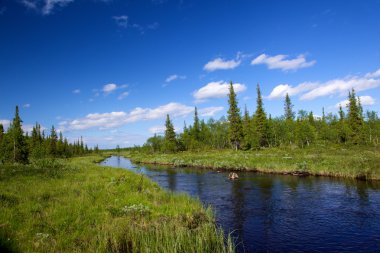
(18, 147)
(257, 130)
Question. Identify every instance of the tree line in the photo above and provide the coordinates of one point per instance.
(258, 130)
(19, 147)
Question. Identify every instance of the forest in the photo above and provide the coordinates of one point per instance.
(18, 147)
(350, 127)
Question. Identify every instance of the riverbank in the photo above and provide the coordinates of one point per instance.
(78, 206)
(353, 162)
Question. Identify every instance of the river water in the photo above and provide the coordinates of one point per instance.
(278, 213)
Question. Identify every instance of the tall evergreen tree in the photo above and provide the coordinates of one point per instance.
(235, 132)
(247, 129)
(196, 127)
(260, 121)
(1, 133)
(355, 120)
(288, 108)
(17, 141)
(170, 142)
(53, 142)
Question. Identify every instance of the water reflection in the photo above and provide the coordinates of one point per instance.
(272, 213)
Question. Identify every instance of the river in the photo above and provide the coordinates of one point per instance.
(279, 213)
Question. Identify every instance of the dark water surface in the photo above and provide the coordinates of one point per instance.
(277, 213)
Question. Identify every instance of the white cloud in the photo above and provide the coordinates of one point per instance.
(174, 77)
(281, 62)
(26, 105)
(220, 63)
(280, 90)
(216, 90)
(30, 4)
(5, 123)
(121, 20)
(123, 95)
(339, 86)
(76, 91)
(51, 4)
(45, 7)
(210, 111)
(364, 100)
(108, 88)
(116, 119)
(374, 74)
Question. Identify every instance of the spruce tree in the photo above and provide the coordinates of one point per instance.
(196, 127)
(1, 133)
(355, 120)
(235, 132)
(247, 133)
(288, 108)
(260, 121)
(17, 140)
(53, 142)
(170, 142)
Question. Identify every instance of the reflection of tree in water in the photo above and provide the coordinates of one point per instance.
(118, 161)
(238, 207)
(362, 191)
(172, 179)
(265, 185)
(199, 181)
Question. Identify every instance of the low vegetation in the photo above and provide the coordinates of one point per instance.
(56, 205)
(356, 162)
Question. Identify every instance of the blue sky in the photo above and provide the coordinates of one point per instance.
(111, 70)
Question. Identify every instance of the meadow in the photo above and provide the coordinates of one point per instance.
(335, 161)
(75, 205)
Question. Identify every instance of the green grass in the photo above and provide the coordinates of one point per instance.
(352, 162)
(78, 206)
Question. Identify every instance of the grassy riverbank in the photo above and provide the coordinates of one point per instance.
(78, 206)
(353, 162)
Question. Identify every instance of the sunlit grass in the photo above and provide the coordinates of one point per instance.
(78, 206)
(352, 162)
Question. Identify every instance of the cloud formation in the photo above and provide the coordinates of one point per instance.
(76, 91)
(174, 77)
(364, 100)
(5, 123)
(339, 86)
(123, 21)
(123, 95)
(210, 111)
(216, 90)
(281, 62)
(45, 7)
(220, 63)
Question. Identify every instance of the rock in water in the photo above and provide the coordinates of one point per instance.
(233, 176)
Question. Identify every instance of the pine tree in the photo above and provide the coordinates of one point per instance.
(53, 142)
(235, 132)
(1, 133)
(260, 121)
(196, 127)
(355, 120)
(288, 108)
(17, 141)
(170, 137)
(247, 127)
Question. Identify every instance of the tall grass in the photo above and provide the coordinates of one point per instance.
(78, 206)
(353, 162)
